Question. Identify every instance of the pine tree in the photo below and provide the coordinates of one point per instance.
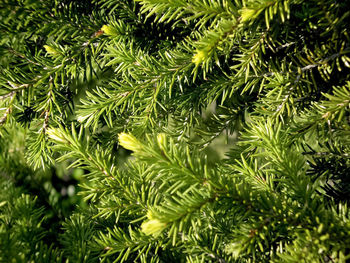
(174, 131)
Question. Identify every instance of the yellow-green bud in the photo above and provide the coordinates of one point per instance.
(161, 138)
(150, 214)
(234, 249)
(51, 50)
(129, 142)
(247, 14)
(109, 30)
(199, 57)
(55, 135)
(153, 227)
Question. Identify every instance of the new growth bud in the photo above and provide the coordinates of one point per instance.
(110, 30)
(152, 226)
(247, 14)
(51, 50)
(199, 57)
(161, 139)
(129, 142)
(55, 135)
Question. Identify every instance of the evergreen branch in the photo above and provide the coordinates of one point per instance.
(18, 54)
(39, 155)
(219, 39)
(117, 241)
(261, 71)
(176, 212)
(288, 164)
(251, 12)
(77, 228)
(166, 11)
(333, 109)
(98, 162)
(170, 160)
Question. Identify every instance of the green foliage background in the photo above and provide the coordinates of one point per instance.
(174, 131)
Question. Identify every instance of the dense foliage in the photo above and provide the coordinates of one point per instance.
(174, 131)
